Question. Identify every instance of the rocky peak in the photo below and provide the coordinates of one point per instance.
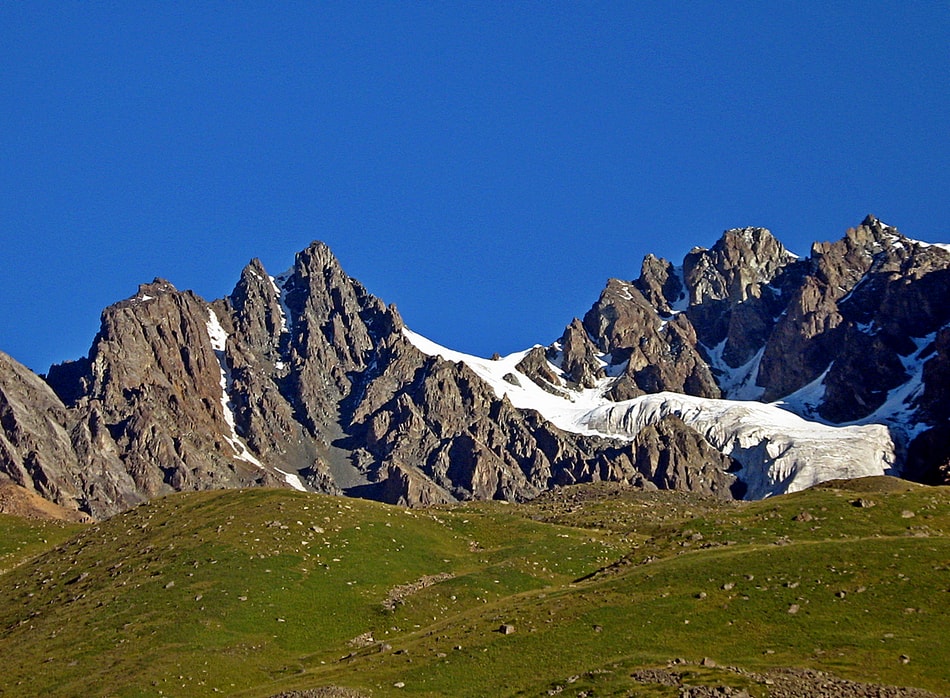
(317, 257)
(259, 318)
(579, 359)
(841, 264)
(620, 316)
(158, 287)
(653, 352)
(875, 228)
(336, 329)
(735, 269)
(853, 315)
(146, 292)
(323, 297)
(660, 284)
(809, 333)
(153, 392)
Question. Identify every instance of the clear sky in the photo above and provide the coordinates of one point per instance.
(486, 166)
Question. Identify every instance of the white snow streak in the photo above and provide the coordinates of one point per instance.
(292, 480)
(807, 399)
(219, 339)
(681, 303)
(900, 405)
(278, 282)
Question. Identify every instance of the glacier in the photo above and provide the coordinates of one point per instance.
(776, 450)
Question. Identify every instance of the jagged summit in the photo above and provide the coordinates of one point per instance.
(744, 370)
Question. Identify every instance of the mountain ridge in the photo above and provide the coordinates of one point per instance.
(307, 380)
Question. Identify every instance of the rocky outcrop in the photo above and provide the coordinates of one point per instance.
(772, 451)
(579, 357)
(811, 331)
(259, 372)
(899, 303)
(674, 457)
(739, 267)
(335, 327)
(661, 285)
(26, 503)
(652, 353)
(473, 445)
(445, 421)
(668, 323)
(35, 449)
(152, 396)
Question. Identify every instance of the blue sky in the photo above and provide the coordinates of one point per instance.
(486, 166)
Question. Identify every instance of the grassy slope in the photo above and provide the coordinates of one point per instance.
(22, 539)
(258, 591)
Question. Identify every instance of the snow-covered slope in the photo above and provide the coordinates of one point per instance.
(778, 451)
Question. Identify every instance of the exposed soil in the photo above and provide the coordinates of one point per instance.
(19, 501)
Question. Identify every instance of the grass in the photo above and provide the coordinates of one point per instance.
(255, 592)
(22, 539)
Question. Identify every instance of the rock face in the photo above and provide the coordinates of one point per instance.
(36, 452)
(148, 401)
(650, 351)
(305, 379)
(679, 458)
(855, 333)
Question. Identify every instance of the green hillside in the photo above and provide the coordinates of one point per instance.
(593, 590)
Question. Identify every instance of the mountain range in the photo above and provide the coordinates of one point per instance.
(743, 372)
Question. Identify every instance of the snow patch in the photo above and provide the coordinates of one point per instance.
(899, 408)
(735, 383)
(898, 411)
(806, 400)
(920, 243)
(854, 289)
(279, 283)
(615, 370)
(217, 333)
(565, 412)
(219, 340)
(681, 303)
(292, 479)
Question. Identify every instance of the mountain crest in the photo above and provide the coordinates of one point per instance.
(741, 262)
(305, 379)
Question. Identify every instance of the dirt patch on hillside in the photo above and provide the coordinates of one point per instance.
(19, 501)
